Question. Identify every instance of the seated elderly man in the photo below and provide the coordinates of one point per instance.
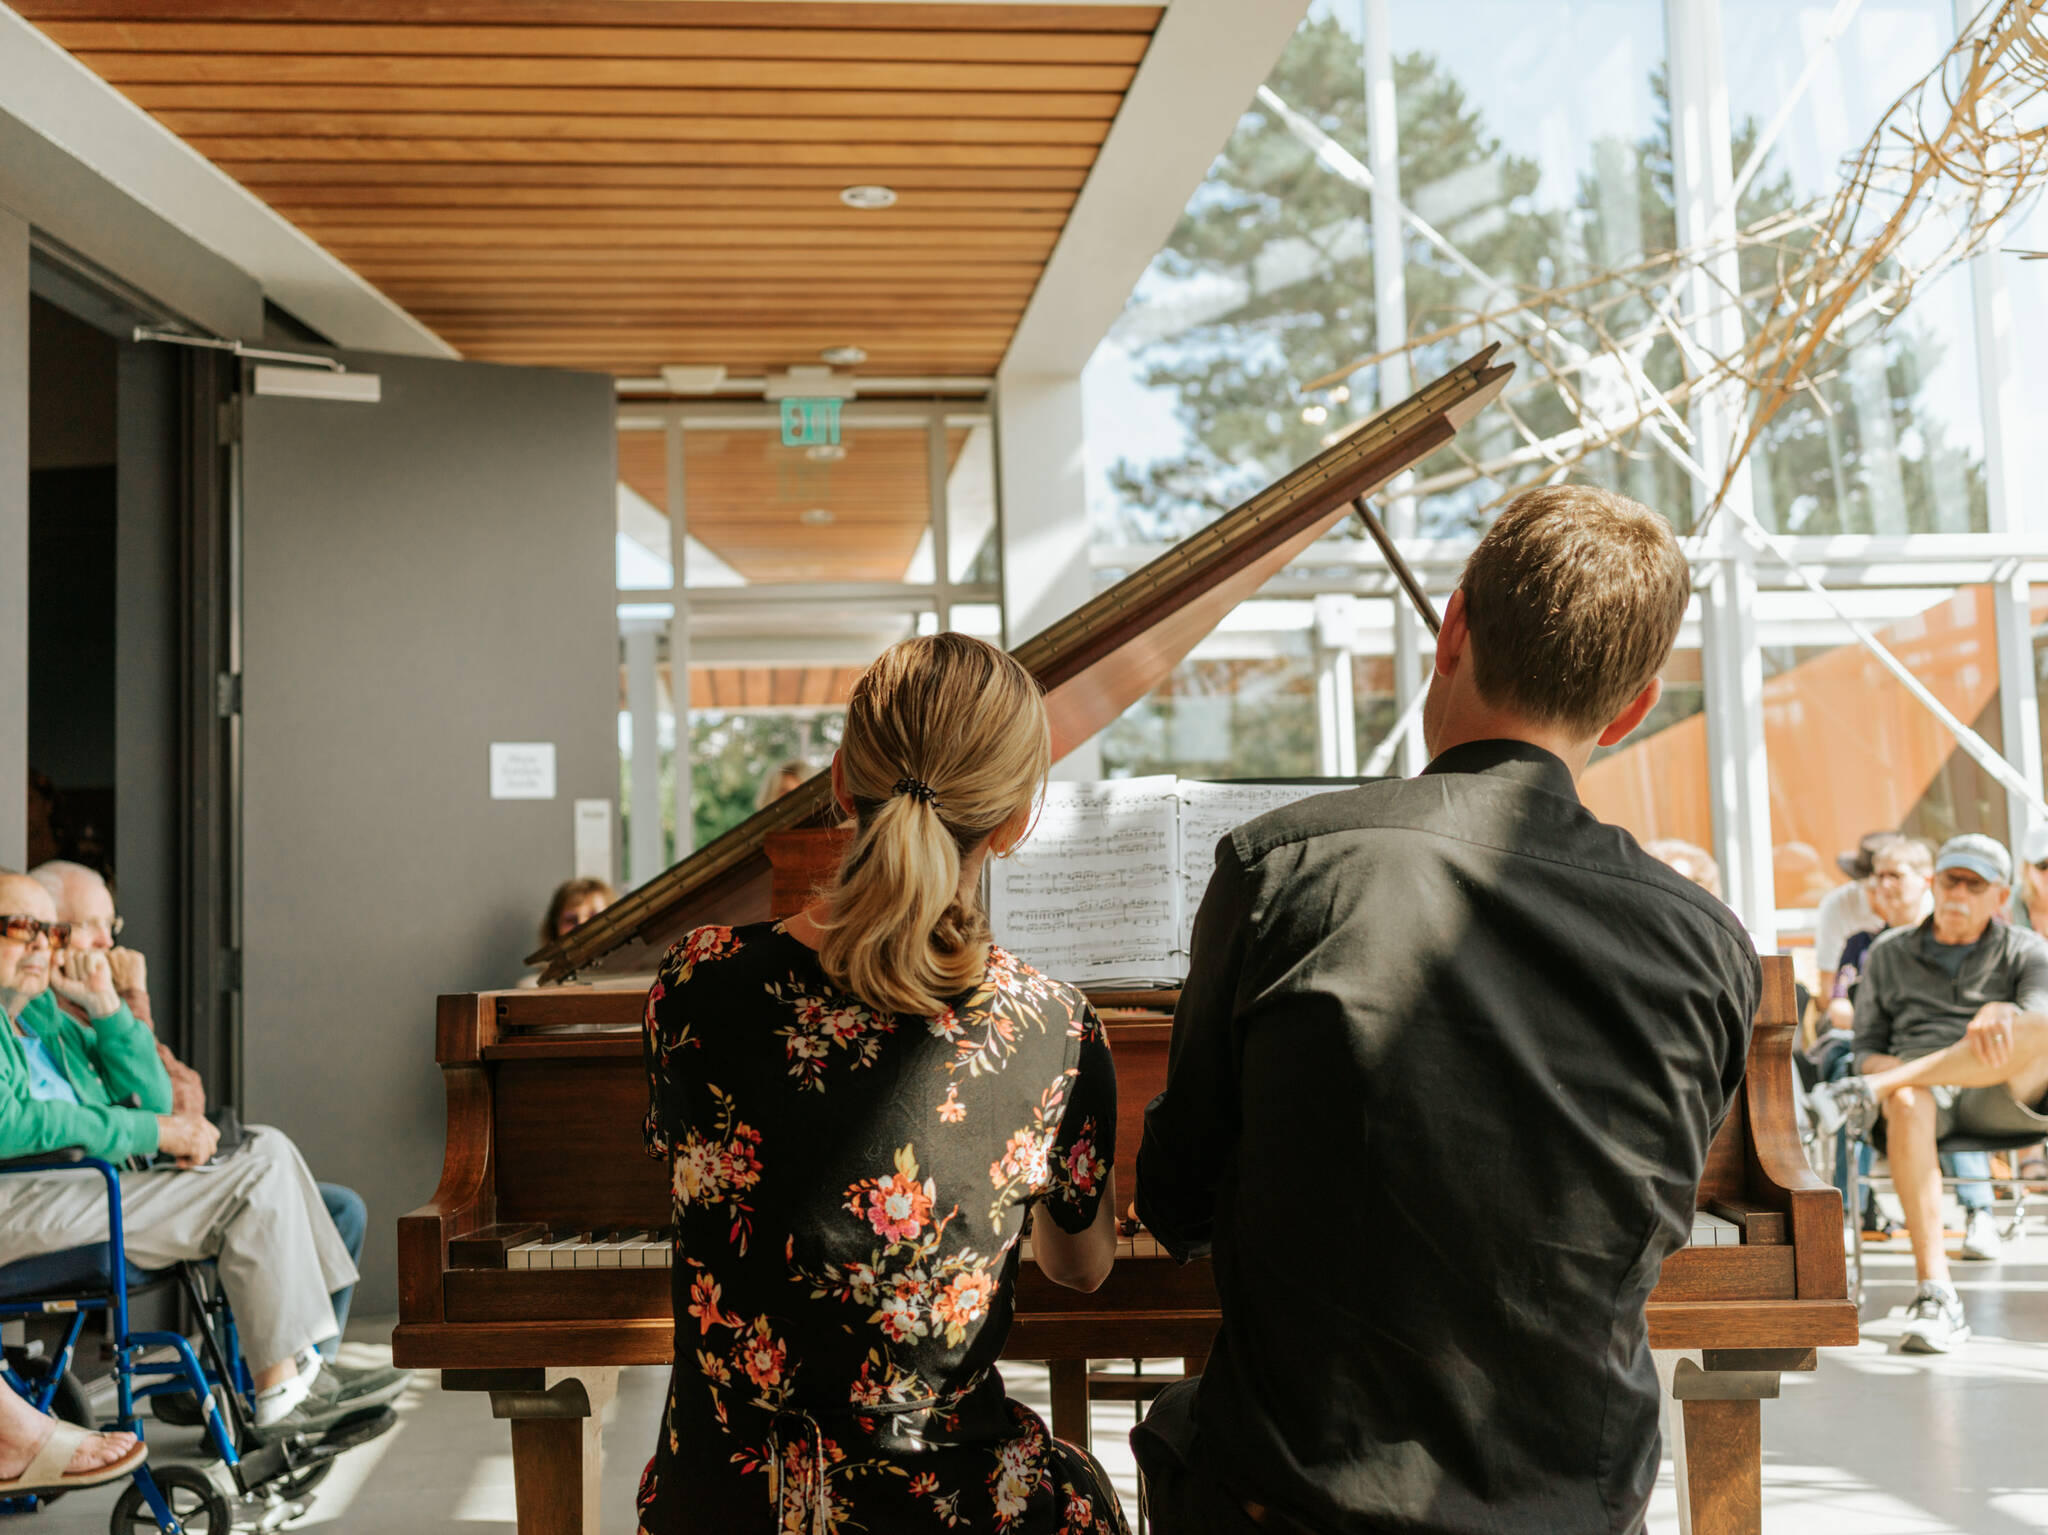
(1950, 1035)
(99, 1084)
(84, 901)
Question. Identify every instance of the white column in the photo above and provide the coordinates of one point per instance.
(1704, 174)
(644, 852)
(2008, 495)
(678, 653)
(942, 520)
(1043, 517)
(13, 542)
(1336, 706)
(1390, 323)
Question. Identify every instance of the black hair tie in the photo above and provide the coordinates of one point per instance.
(918, 790)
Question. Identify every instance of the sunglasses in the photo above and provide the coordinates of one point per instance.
(19, 929)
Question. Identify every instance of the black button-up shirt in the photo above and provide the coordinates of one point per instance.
(1443, 1078)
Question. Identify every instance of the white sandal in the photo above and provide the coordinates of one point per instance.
(45, 1471)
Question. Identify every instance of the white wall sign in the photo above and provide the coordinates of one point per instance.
(594, 839)
(522, 770)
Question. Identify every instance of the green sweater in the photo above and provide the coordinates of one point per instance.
(105, 1062)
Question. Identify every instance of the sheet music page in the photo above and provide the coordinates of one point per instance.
(1207, 812)
(1093, 894)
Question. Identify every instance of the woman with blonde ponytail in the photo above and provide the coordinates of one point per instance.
(861, 1106)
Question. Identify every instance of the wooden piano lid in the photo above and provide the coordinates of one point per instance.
(1093, 664)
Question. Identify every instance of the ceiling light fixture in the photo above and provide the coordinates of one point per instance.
(868, 196)
(825, 452)
(816, 517)
(844, 356)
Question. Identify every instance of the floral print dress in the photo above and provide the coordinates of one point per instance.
(850, 1188)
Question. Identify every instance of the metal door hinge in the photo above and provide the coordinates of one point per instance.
(227, 694)
(231, 421)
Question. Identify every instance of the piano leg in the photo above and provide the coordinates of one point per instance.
(1069, 1399)
(1725, 1444)
(1718, 1452)
(557, 1449)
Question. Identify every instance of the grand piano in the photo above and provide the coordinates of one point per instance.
(540, 1264)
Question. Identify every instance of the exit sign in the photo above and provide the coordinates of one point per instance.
(809, 423)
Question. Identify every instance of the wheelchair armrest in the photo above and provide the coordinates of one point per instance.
(39, 1161)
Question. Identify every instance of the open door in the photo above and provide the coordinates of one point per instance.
(422, 575)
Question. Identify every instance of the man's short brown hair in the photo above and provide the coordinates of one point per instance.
(1573, 599)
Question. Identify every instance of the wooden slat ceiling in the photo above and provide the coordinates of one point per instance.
(771, 687)
(747, 494)
(618, 184)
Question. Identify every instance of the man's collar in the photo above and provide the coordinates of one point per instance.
(1516, 760)
(1926, 932)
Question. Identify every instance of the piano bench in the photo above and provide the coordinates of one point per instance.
(1104, 1387)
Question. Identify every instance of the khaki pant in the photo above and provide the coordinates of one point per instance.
(259, 1214)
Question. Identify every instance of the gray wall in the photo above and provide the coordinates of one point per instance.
(421, 577)
(149, 782)
(13, 541)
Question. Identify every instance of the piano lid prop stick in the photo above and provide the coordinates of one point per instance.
(1398, 565)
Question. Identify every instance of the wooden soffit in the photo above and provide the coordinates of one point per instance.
(619, 184)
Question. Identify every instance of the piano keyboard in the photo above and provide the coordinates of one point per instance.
(593, 1250)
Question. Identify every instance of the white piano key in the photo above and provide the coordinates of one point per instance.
(521, 1257)
(1714, 1231)
(556, 1255)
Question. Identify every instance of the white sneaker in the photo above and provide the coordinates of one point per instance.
(1934, 1322)
(274, 1403)
(1980, 1236)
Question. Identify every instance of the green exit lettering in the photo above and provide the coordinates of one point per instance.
(808, 423)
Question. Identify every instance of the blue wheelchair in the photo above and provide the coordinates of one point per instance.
(257, 1485)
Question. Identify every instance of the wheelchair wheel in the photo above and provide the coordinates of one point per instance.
(196, 1502)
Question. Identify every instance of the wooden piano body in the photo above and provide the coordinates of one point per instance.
(546, 1095)
(547, 1092)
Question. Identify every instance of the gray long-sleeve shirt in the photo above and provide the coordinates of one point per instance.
(1908, 1005)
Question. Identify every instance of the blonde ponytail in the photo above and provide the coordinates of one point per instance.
(946, 740)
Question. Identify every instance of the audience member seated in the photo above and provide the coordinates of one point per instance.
(100, 1085)
(1846, 910)
(781, 779)
(87, 904)
(574, 903)
(1949, 1037)
(1695, 863)
(40, 1454)
(1900, 889)
(2030, 883)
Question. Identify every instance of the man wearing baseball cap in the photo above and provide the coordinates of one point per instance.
(1951, 1034)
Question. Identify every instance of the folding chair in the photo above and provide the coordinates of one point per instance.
(1955, 1144)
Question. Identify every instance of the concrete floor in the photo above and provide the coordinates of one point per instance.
(1873, 1443)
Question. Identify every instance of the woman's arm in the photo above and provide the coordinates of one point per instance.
(1079, 1260)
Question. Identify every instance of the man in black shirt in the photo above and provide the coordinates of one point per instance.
(1445, 1070)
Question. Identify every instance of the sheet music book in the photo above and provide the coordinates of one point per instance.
(1105, 889)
